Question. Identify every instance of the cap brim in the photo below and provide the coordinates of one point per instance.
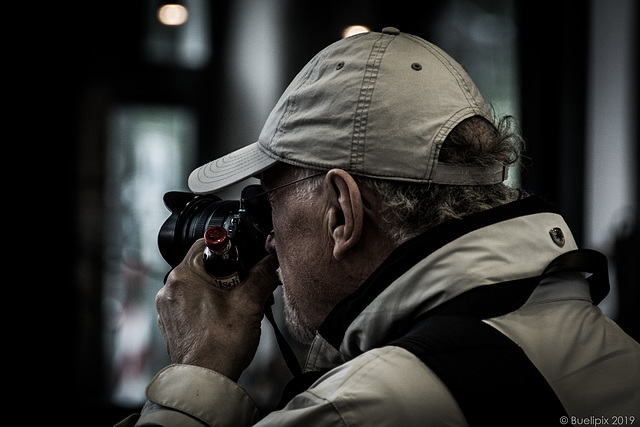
(230, 169)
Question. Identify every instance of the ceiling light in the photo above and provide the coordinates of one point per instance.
(173, 14)
(353, 30)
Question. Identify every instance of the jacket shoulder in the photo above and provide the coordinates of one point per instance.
(385, 386)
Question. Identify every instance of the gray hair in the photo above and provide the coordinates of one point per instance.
(409, 209)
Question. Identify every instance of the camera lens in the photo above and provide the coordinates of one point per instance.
(190, 216)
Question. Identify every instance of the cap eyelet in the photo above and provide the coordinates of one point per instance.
(339, 65)
(416, 66)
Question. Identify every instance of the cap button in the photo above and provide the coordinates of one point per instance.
(391, 30)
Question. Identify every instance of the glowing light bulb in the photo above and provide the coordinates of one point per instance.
(173, 14)
(353, 30)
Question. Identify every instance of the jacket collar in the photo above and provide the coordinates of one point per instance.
(506, 243)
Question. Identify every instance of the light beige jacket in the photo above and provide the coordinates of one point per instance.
(591, 364)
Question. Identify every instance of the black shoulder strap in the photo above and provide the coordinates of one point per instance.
(490, 377)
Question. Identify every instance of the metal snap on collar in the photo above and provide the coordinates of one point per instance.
(391, 30)
(557, 236)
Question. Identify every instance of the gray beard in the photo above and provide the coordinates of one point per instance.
(294, 320)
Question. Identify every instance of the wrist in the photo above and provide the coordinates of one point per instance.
(218, 365)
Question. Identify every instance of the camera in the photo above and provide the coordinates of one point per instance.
(191, 215)
(248, 223)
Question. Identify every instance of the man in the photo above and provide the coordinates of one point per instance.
(384, 171)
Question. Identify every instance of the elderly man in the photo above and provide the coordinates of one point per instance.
(431, 292)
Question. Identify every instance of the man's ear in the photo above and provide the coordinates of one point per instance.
(346, 212)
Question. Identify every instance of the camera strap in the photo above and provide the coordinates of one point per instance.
(287, 352)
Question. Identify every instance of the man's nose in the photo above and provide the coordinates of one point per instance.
(270, 244)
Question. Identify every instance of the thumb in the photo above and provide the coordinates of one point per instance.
(262, 279)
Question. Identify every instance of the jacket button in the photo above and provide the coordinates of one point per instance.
(557, 236)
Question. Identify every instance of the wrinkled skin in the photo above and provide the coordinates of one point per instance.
(211, 327)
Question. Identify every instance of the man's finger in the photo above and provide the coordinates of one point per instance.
(262, 280)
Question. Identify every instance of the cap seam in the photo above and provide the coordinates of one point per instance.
(393, 177)
(210, 173)
(292, 162)
(365, 96)
(291, 103)
(462, 84)
(441, 135)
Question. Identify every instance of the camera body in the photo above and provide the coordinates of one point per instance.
(190, 217)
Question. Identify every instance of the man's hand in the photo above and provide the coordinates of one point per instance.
(210, 327)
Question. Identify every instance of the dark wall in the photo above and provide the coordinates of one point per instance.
(553, 66)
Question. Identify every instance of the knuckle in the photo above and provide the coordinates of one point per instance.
(160, 297)
(167, 293)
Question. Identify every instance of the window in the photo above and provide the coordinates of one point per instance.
(150, 151)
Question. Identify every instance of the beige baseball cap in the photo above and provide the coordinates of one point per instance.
(378, 105)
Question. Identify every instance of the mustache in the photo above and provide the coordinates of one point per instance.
(279, 273)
